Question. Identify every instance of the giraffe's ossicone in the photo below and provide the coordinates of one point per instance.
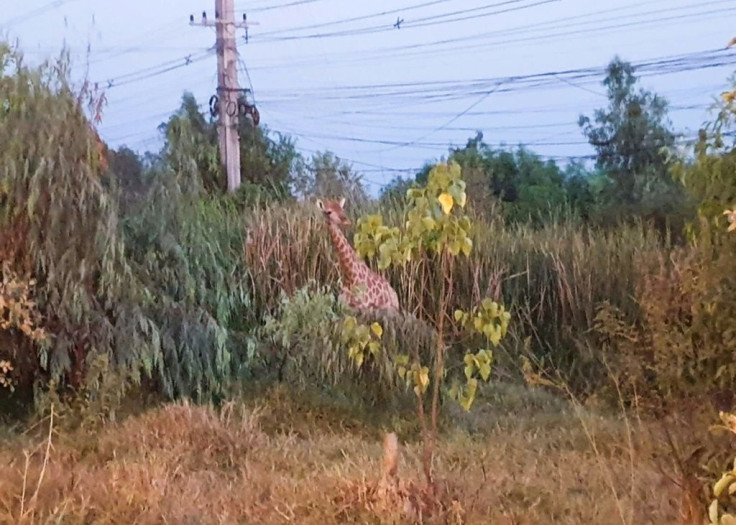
(363, 289)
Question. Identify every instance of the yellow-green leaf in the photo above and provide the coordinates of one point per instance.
(485, 371)
(467, 246)
(374, 347)
(713, 511)
(429, 223)
(424, 377)
(377, 329)
(722, 484)
(446, 201)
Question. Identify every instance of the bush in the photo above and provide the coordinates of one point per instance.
(685, 340)
(160, 292)
(187, 249)
(308, 346)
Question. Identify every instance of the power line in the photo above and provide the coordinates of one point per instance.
(352, 19)
(444, 90)
(449, 122)
(154, 71)
(429, 21)
(186, 60)
(36, 12)
(544, 32)
(279, 6)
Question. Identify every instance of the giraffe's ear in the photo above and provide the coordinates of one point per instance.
(320, 204)
(342, 202)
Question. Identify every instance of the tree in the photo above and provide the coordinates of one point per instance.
(630, 133)
(579, 189)
(395, 191)
(527, 187)
(267, 165)
(126, 166)
(190, 137)
(326, 175)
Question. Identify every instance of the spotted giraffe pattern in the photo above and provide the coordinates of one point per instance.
(363, 289)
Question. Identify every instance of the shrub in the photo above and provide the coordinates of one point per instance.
(159, 292)
(685, 340)
(311, 335)
(56, 221)
(186, 247)
(20, 326)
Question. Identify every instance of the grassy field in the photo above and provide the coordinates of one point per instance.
(522, 456)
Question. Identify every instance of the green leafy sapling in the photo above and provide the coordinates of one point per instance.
(436, 230)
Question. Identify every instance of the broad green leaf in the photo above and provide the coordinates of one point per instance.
(455, 247)
(429, 223)
(485, 371)
(496, 336)
(349, 324)
(374, 347)
(467, 246)
(454, 392)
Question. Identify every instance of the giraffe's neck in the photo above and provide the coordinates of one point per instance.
(346, 254)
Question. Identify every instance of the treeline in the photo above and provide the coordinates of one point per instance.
(630, 179)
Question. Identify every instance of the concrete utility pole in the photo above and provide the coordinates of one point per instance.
(227, 86)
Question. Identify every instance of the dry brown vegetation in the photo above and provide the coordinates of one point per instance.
(522, 457)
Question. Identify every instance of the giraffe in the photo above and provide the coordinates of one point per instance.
(363, 289)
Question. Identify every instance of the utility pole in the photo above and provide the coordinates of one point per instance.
(227, 86)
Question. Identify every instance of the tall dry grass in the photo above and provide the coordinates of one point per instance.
(281, 460)
(554, 279)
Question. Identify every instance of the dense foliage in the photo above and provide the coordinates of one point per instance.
(688, 301)
(155, 292)
(148, 264)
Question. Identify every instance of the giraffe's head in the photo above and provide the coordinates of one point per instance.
(334, 211)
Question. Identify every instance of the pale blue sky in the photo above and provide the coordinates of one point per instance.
(314, 86)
